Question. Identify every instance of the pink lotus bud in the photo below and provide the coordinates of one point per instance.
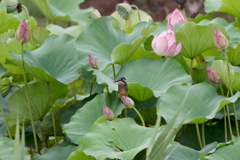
(128, 102)
(220, 40)
(93, 62)
(125, 1)
(175, 18)
(108, 113)
(22, 34)
(213, 75)
(165, 44)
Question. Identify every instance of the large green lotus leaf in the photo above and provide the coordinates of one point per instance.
(39, 101)
(64, 10)
(80, 155)
(179, 152)
(139, 92)
(8, 21)
(133, 20)
(199, 73)
(4, 36)
(56, 59)
(232, 31)
(202, 41)
(226, 6)
(202, 101)
(154, 74)
(39, 34)
(141, 52)
(85, 117)
(100, 39)
(229, 152)
(234, 55)
(73, 31)
(221, 67)
(235, 84)
(58, 152)
(7, 149)
(3, 103)
(120, 138)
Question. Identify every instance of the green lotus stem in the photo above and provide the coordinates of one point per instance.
(229, 120)
(114, 74)
(203, 136)
(141, 106)
(74, 91)
(143, 123)
(53, 117)
(190, 67)
(126, 112)
(199, 137)
(29, 24)
(235, 114)
(107, 88)
(28, 101)
(91, 87)
(135, 7)
(6, 123)
(225, 117)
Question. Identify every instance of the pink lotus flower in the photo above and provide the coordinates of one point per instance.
(108, 113)
(220, 40)
(22, 34)
(128, 102)
(93, 62)
(213, 75)
(165, 44)
(175, 18)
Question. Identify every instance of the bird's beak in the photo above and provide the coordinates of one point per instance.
(116, 81)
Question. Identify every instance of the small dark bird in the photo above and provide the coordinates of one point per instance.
(122, 86)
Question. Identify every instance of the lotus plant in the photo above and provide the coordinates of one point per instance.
(128, 102)
(165, 44)
(213, 76)
(175, 18)
(220, 40)
(108, 113)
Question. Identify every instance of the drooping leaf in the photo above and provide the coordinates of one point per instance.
(64, 10)
(56, 59)
(100, 40)
(120, 138)
(199, 73)
(226, 152)
(73, 31)
(80, 155)
(8, 21)
(204, 106)
(7, 149)
(39, 101)
(85, 117)
(234, 56)
(226, 6)
(202, 41)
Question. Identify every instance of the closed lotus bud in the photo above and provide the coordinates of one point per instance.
(220, 40)
(108, 113)
(5, 88)
(213, 76)
(124, 10)
(22, 33)
(95, 14)
(128, 102)
(93, 62)
(165, 44)
(11, 5)
(125, 1)
(175, 18)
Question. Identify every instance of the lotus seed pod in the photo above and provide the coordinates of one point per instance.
(4, 88)
(11, 5)
(95, 14)
(124, 10)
